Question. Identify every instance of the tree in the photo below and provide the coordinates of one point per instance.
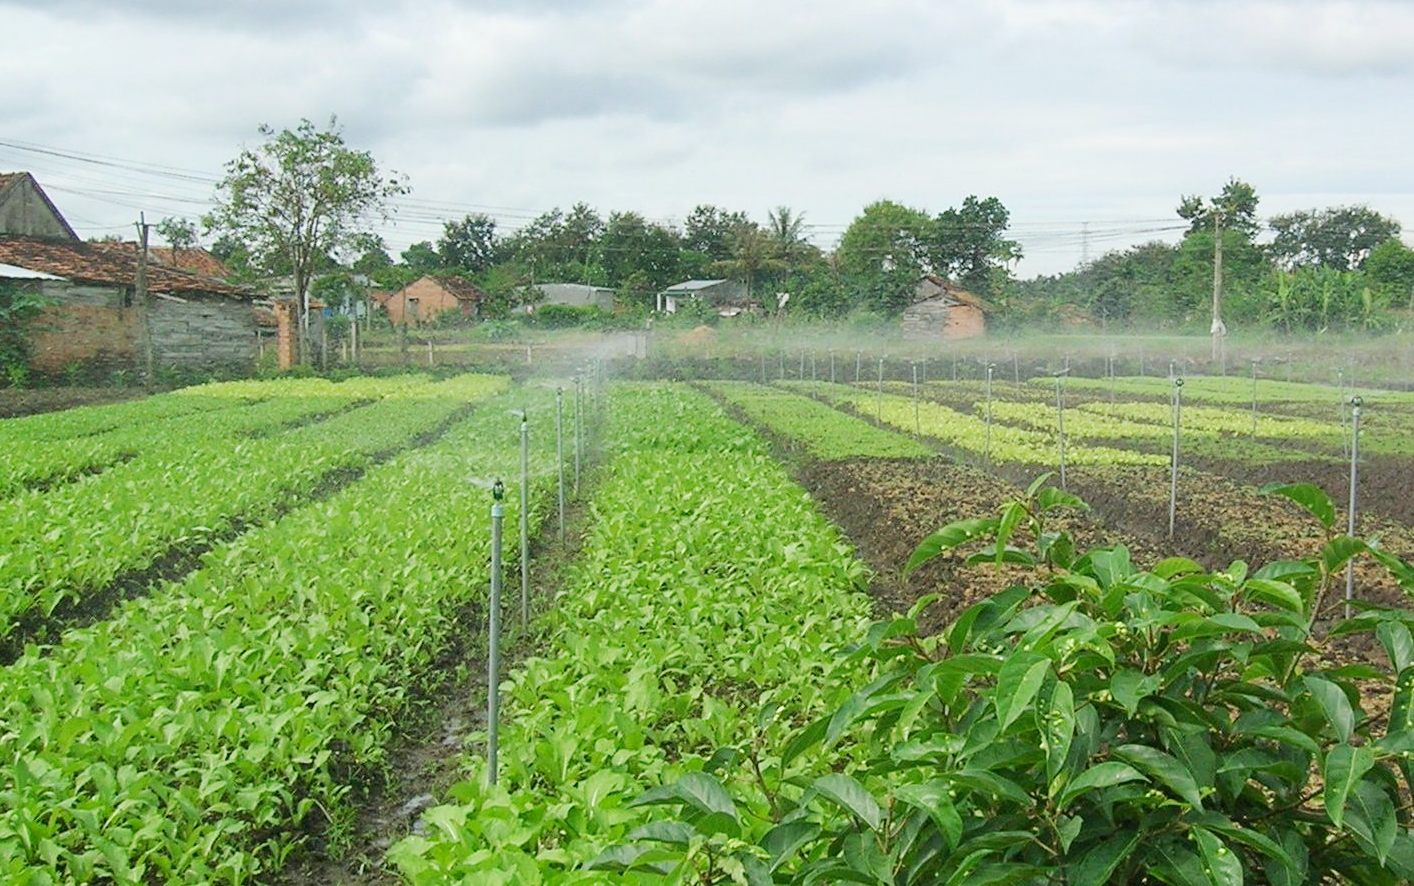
(301, 195)
(787, 230)
(1390, 268)
(631, 248)
(180, 233)
(372, 255)
(1236, 205)
(470, 244)
(967, 244)
(753, 252)
(708, 231)
(883, 253)
(1339, 238)
(421, 258)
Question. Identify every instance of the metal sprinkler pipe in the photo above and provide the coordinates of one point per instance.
(524, 520)
(1355, 404)
(1173, 462)
(493, 656)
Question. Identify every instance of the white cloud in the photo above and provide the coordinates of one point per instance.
(1067, 111)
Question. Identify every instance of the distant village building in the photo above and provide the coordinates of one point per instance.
(25, 210)
(94, 319)
(190, 258)
(727, 297)
(574, 295)
(942, 311)
(426, 298)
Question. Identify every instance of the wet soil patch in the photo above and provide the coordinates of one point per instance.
(1385, 482)
(447, 706)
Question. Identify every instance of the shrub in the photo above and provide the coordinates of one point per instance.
(1098, 723)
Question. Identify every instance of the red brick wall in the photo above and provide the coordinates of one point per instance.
(431, 300)
(98, 336)
(965, 321)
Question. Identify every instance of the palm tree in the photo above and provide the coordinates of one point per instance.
(787, 233)
(754, 252)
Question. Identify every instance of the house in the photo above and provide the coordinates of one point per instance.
(426, 298)
(944, 312)
(26, 211)
(93, 319)
(727, 297)
(575, 295)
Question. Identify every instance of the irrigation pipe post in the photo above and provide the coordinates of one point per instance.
(1015, 368)
(560, 453)
(1254, 396)
(524, 520)
(812, 365)
(800, 373)
(1340, 388)
(1355, 404)
(578, 432)
(493, 656)
(917, 428)
(1060, 424)
(781, 359)
(763, 367)
(879, 401)
(1173, 462)
(858, 363)
(832, 367)
(987, 447)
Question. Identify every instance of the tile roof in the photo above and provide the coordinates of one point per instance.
(459, 288)
(194, 259)
(114, 264)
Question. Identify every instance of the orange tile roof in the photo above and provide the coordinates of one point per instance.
(194, 259)
(114, 264)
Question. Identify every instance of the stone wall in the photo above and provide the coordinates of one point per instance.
(203, 331)
(938, 319)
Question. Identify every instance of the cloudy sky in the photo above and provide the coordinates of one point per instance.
(1080, 116)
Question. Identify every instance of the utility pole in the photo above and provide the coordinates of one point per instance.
(140, 300)
(1218, 329)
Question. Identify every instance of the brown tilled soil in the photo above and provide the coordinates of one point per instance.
(19, 401)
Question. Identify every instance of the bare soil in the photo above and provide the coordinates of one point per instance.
(30, 401)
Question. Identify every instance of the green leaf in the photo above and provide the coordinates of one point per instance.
(1338, 552)
(1017, 684)
(701, 792)
(1223, 866)
(1012, 516)
(1344, 767)
(1334, 704)
(1103, 775)
(851, 796)
(804, 739)
(1369, 815)
(786, 838)
(1050, 498)
(1277, 593)
(932, 797)
(1163, 767)
(675, 832)
(1056, 723)
(950, 536)
(1309, 496)
(1098, 864)
(1398, 644)
(1129, 686)
(1401, 709)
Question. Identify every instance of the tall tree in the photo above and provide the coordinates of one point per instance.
(967, 244)
(883, 252)
(303, 194)
(1391, 268)
(708, 231)
(1340, 238)
(470, 244)
(754, 252)
(421, 258)
(1237, 205)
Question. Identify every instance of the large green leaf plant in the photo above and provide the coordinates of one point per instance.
(1102, 723)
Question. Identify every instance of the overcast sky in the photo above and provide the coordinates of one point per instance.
(1098, 112)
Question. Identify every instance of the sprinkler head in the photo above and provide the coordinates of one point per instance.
(1178, 382)
(1357, 402)
(498, 490)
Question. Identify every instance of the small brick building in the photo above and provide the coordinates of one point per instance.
(424, 299)
(944, 312)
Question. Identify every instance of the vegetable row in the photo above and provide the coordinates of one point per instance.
(824, 432)
(192, 736)
(707, 610)
(63, 544)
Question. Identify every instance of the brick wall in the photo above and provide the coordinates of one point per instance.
(419, 301)
(935, 319)
(93, 327)
(86, 325)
